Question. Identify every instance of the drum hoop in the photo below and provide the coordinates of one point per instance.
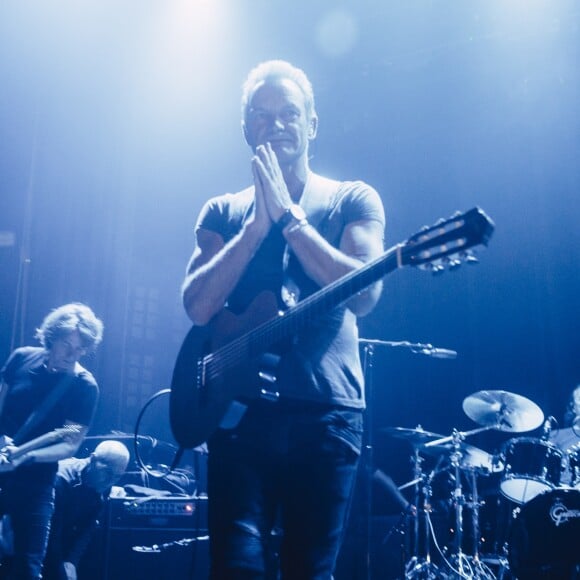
(534, 440)
(536, 478)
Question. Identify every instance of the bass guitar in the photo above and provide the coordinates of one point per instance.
(206, 381)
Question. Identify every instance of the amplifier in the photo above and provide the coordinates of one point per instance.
(160, 538)
(176, 512)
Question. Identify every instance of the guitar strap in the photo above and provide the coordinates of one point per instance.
(318, 198)
(41, 412)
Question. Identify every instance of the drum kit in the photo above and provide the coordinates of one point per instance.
(539, 481)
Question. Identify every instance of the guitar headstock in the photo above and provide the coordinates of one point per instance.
(449, 242)
(67, 432)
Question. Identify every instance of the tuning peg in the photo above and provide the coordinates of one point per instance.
(454, 263)
(470, 257)
(435, 267)
(430, 267)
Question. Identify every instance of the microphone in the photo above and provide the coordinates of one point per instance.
(439, 352)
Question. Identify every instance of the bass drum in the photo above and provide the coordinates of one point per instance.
(544, 537)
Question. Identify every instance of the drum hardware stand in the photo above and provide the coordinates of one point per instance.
(420, 566)
(457, 436)
(463, 565)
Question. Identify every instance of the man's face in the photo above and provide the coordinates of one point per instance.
(576, 401)
(103, 472)
(277, 115)
(65, 352)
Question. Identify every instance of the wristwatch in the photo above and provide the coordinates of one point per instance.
(293, 213)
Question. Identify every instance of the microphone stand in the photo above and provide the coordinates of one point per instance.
(368, 461)
(414, 347)
(394, 343)
(368, 454)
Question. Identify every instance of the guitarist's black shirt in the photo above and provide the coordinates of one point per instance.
(322, 365)
(28, 382)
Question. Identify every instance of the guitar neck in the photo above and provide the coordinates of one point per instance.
(45, 440)
(297, 318)
(322, 302)
(427, 248)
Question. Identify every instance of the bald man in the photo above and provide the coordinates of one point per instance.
(82, 487)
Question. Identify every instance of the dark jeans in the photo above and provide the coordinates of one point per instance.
(282, 482)
(30, 506)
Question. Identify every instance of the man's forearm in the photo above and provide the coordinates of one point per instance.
(207, 287)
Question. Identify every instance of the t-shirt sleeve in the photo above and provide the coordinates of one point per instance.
(7, 371)
(361, 201)
(210, 216)
(83, 402)
(225, 214)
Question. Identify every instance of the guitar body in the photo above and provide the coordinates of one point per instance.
(199, 399)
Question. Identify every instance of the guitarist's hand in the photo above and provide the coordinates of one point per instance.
(6, 448)
(261, 217)
(6, 462)
(9, 463)
(275, 191)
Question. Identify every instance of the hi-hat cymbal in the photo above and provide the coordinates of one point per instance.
(416, 436)
(503, 410)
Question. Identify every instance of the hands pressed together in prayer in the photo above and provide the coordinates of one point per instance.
(271, 195)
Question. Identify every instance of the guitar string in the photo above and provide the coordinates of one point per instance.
(272, 331)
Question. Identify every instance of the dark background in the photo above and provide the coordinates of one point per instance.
(118, 119)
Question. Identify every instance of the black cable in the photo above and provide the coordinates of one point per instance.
(158, 474)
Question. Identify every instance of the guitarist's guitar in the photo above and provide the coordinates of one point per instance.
(8, 458)
(213, 360)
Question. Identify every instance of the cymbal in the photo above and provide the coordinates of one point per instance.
(416, 436)
(503, 410)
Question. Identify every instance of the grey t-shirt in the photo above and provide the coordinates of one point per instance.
(321, 364)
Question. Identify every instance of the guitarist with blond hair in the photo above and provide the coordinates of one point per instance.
(47, 402)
